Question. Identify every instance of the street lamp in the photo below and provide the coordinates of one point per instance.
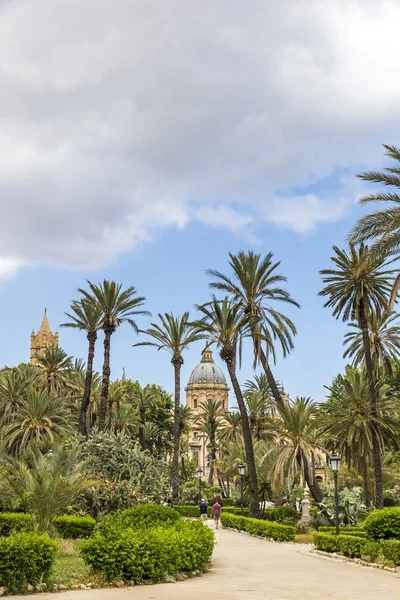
(199, 475)
(335, 460)
(241, 468)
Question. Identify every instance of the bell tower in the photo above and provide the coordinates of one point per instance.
(43, 338)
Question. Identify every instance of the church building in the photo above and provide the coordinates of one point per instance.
(43, 338)
(207, 382)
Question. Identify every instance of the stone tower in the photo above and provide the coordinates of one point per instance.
(43, 338)
(207, 381)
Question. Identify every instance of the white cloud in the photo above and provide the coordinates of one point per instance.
(119, 119)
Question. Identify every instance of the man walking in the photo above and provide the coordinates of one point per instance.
(216, 511)
(203, 506)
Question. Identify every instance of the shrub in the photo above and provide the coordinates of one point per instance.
(355, 531)
(383, 524)
(348, 545)
(275, 531)
(74, 527)
(13, 522)
(139, 517)
(391, 550)
(150, 554)
(286, 515)
(25, 559)
(235, 510)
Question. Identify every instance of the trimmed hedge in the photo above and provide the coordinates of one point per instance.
(13, 522)
(383, 524)
(25, 559)
(150, 554)
(190, 511)
(275, 531)
(286, 515)
(236, 510)
(355, 531)
(74, 526)
(138, 517)
(348, 545)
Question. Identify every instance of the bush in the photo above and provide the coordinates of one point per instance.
(150, 554)
(383, 524)
(286, 515)
(139, 517)
(13, 522)
(348, 545)
(391, 550)
(235, 510)
(74, 527)
(25, 559)
(275, 531)
(355, 531)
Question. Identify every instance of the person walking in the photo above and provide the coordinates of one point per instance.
(203, 506)
(216, 511)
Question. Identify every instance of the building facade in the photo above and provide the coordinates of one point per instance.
(42, 339)
(207, 382)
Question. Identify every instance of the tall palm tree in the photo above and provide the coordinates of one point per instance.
(143, 399)
(173, 334)
(124, 419)
(349, 422)
(296, 433)
(255, 286)
(54, 362)
(383, 226)
(232, 427)
(40, 417)
(257, 409)
(225, 325)
(118, 306)
(186, 417)
(86, 315)
(384, 340)
(357, 289)
(210, 421)
(14, 385)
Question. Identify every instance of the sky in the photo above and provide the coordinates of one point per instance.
(142, 141)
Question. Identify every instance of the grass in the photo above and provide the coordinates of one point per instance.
(305, 538)
(69, 568)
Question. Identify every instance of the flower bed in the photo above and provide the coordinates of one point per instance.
(268, 529)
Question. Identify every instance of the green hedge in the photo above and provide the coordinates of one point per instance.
(276, 531)
(383, 524)
(285, 515)
(348, 545)
(150, 554)
(236, 510)
(139, 517)
(25, 559)
(13, 522)
(74, 527)
(355, 531)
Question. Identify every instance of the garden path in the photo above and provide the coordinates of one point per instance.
(247, 568)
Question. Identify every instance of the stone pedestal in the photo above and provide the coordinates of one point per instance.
(305, 503)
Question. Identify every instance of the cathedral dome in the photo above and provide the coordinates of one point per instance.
(207, 371)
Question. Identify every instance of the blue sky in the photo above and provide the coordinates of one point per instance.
(143, 141)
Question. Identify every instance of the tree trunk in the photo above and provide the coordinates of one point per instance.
(373, 400)
(141, 427)
(92, 337)
(271, 380)
(177, 361)
(106, 380)
(364, 474)
(313, 486)
(248, 442)
(213, 455)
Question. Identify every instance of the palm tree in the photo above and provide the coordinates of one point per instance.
(225, 325)
(257, 409)
(255, 286)
(382, 226)
(86, 315)
(349, 422)
(143, 399)
(123, 418)
(210, 421)
(232, 427)
(45, 484)
(117, 307)
(54, 362)
(173, 334)
(384, 340)
(186, 417)
(40, 418)
(14, 384)
(296, 448)
(260, 385)
(117, 394)
(357, 289)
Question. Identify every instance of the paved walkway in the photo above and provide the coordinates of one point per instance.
(246, 568)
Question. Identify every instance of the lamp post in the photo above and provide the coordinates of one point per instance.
(335, 460)
(241, 468)
(199, 475)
